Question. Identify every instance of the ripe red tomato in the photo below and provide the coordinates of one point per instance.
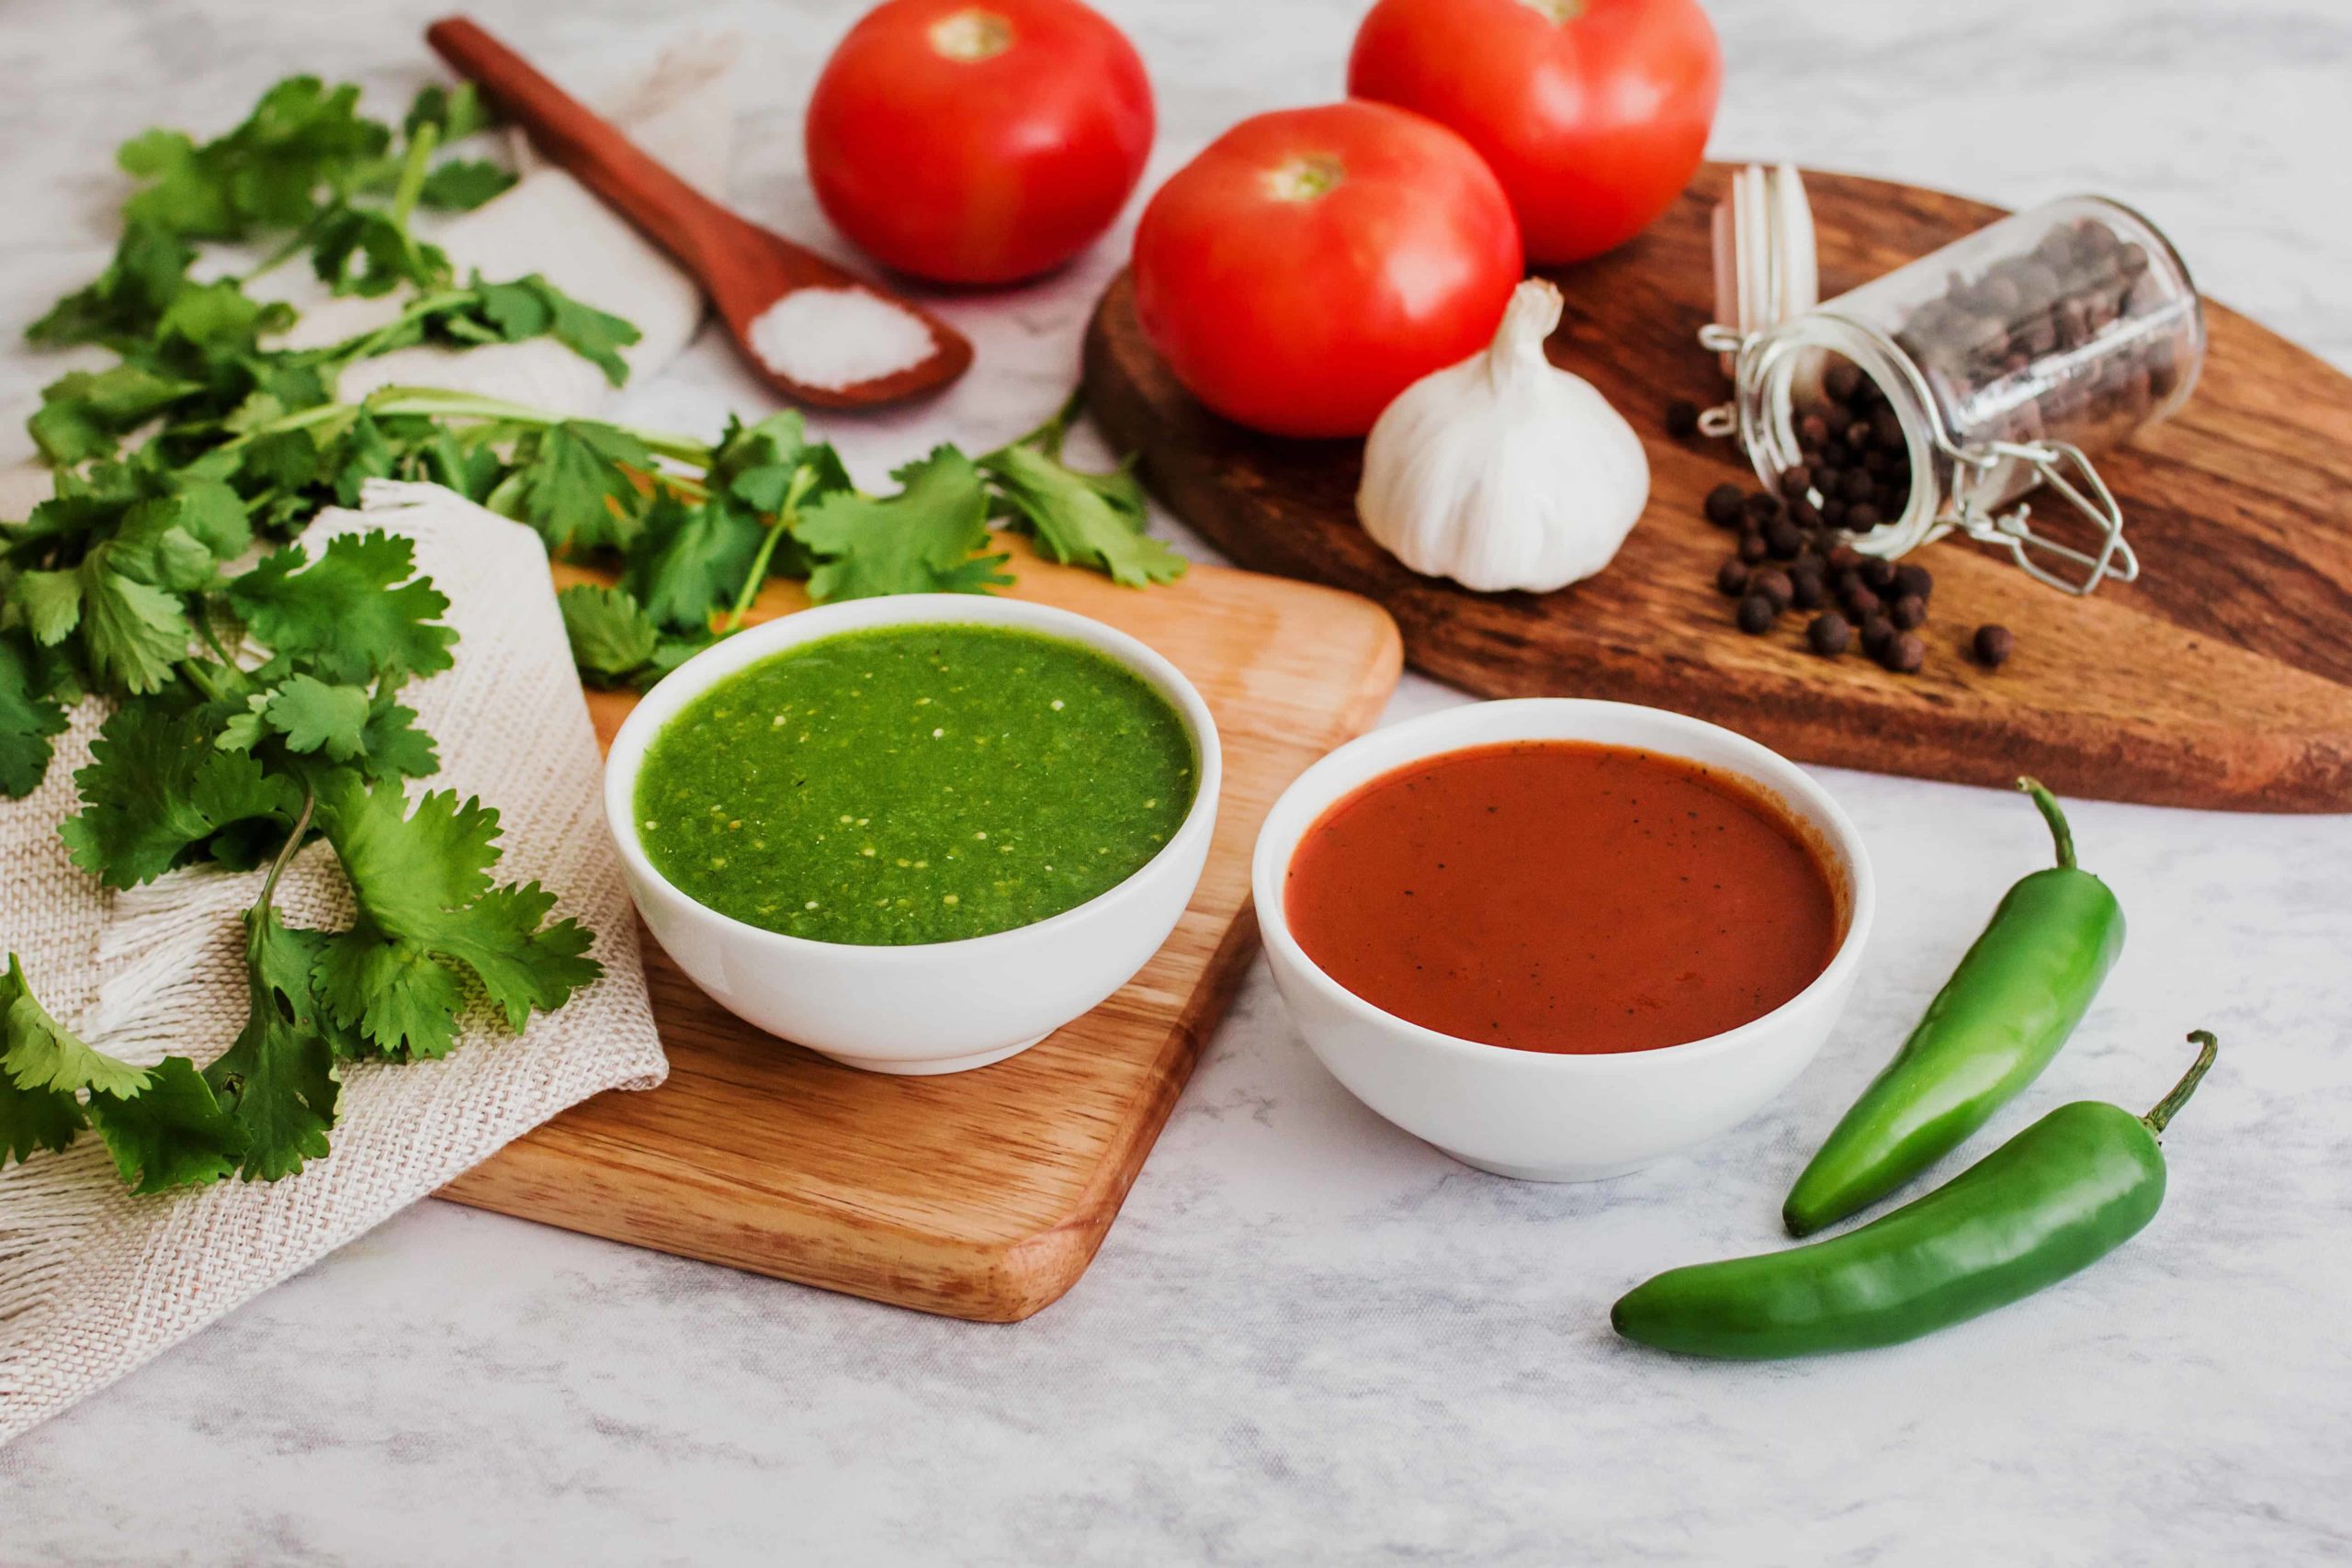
(1311, 264)
(1594, 113)
(978, 140)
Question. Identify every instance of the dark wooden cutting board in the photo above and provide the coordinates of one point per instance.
(2223, 678)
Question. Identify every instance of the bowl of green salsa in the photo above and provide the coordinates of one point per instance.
(916, 834)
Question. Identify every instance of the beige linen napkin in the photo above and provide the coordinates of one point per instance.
(94, 1280)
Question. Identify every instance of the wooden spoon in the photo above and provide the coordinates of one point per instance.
(744, 268)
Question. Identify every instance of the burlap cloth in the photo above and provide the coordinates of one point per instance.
(94, 1280)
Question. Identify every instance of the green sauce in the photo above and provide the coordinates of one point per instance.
(914, 784)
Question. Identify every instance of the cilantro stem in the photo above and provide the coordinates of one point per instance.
(411, 184)
(294, 245)
(366, 344)
(285, 851)
(804, 478)
(439, 403)
(194, 676)
(1047, 437)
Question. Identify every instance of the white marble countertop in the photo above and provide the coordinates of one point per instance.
(1310, 1338)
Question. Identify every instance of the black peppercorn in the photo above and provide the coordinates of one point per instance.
(1910, 613)
(1731, 578)
(1910, 578)
(1904, 654)
(1751, 547)
(1795, 481)
(1886, 429)
(1804, 513)
(1878, 573)
(1681, 417)
(1813, 431)
(1806, 592)
(1723, 505)
(1860, 602)
(1829, 634)
(1841, 382)
(1844, 558)
(1774, 586)
(1762, 506)
(1994, 645)
(1861, 518)
(1855, 484)
(1877, 632)
(1756, 614)
(1784, 539)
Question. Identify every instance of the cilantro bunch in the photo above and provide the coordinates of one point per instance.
(257, 690)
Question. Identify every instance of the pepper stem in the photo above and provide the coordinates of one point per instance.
(2170, 1106)
(2059, 834)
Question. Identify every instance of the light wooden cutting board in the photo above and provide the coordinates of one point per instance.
(981, 1194)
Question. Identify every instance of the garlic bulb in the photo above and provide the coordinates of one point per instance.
(1504, 471)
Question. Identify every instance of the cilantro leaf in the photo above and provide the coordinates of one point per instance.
(124, 303)
(29, 715)
(531, 306)
(278, 1081)
(266, 172)
(42, 1054)
(50, 603)
(1082, 519)
(455, 112)
(84, 412)
(426, 906)
(386, 254)
(573, 481)
(156, 789)
(612, 638)
(923, 540)
(42, 1069)
(134, 631)
(687, 561)
(35, 1118)
(314, 715)
(460, 184)
(343, 615)
(175, 1134)
(390, 746)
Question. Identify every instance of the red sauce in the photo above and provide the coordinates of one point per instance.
(1560, 897)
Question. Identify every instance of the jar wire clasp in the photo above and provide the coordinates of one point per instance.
(2013, 530)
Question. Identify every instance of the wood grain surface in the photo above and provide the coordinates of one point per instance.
(2221, 679)
(980, 1194)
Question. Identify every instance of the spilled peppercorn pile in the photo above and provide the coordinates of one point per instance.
(1853, 473)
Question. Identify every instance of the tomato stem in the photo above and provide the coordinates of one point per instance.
(1305, 178)
(970, 36)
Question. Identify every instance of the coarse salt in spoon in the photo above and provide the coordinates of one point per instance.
(815, 332)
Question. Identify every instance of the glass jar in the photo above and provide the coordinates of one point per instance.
(1973, 375)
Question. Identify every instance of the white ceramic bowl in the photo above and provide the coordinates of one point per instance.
(1530, 1114)
(940, 1007)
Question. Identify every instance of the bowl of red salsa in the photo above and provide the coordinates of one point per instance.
(1561, 938)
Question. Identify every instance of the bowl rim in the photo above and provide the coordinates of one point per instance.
(1433, 734)
(625, 759)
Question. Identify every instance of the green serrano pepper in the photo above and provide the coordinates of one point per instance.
(2016, 997)
(2056, 1198)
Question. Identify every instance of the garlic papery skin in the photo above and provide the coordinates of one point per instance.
(1504, 471)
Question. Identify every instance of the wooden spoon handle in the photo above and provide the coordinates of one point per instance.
(670, 212)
